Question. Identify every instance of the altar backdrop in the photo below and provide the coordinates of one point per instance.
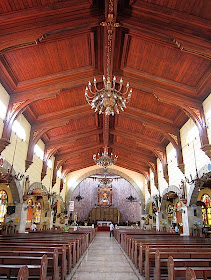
(120, 190)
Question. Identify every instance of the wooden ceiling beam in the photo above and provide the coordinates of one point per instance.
(55, 122)
(132, 162)
(71, 153)
(135, 160)
(79, 164)
(140, 7)
(133, 151)
(134, 167)
(153, 84)
(64, 113)
(63, 141)
(149, 123)
(140, 140)
(150, 115)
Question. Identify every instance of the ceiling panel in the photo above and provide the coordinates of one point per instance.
(66, 99)
(193, 7)
(49, 58)
(14, 5)
(148, 103)
(73, 126)
(166, 63)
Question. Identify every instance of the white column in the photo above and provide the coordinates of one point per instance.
(21, 214)
(51, 218)
(158, 219)
(185, 222)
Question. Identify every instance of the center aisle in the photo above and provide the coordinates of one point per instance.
(105, 260)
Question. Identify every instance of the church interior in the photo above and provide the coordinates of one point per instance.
(105, 119)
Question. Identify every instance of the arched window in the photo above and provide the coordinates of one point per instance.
(206, 209)
(3, 205)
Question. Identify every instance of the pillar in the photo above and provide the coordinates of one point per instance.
(20, 216)
(158, 220)
(185, 222)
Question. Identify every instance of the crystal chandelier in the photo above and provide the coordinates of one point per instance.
(105, 160)
(108, 100)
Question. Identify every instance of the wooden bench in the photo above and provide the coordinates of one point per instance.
(35, 271)
(23, 273)
(164, 246)
(201, 268)
(150, 256)
(70, 245)
(53, 268)
(190, 274)
(136, 242)
(60, 251)
(73, 247)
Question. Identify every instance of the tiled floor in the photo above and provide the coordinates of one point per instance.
(104, 260)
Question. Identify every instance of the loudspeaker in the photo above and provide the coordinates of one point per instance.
(10, 210)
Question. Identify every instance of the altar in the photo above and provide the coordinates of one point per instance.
(104, 215)
(103, 223)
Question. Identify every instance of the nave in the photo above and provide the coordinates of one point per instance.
(104, 260)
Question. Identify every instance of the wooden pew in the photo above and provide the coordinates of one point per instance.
(23, 273)
(150, 256)
(53, 268)
(201, 268)
(39, 271)
(75, 245)
(59, 251)
(165, 245)
(190, 274)
(133, 244)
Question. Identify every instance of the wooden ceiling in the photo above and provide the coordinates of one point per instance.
(50, 49)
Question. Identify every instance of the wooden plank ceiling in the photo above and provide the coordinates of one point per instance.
(50, 49)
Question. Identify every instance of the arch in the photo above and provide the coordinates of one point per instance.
(43, 191)
(149, 200)
(109, 170)
(15, 186)
(194, 191)
(171, 188)
(38, 186)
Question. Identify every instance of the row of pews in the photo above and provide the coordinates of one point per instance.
(49, 255)
(163, 255)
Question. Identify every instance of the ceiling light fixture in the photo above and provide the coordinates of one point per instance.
(105, 160)
(105, 180)
(110, 99)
